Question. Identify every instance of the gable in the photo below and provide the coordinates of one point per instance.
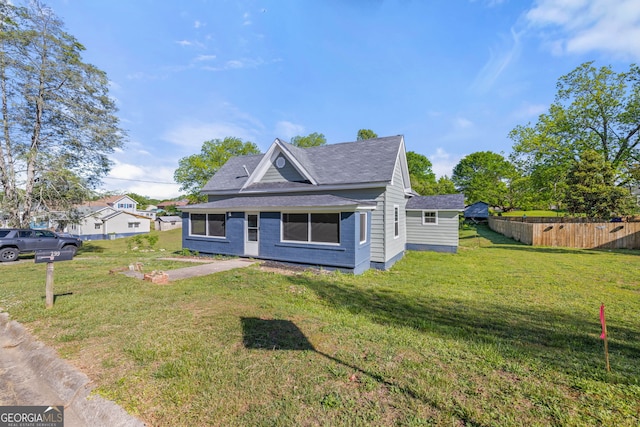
(282, 170)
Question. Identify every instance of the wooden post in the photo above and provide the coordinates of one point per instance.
(49, 285)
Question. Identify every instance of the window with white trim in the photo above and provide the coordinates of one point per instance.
(311, 227)
(363, 227)
(212, 225)
(429, 217)
(396, 221)
(134, 225)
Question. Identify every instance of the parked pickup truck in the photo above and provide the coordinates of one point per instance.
(15, 241)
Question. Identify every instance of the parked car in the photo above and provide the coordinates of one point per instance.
(15, 241)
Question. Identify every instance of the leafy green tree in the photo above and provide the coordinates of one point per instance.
(366, 134)
(194, 171)
(445, 185)
(58, 121)
(143, 201)
(594, 109)
(314, 139)
(591, 189)
(423, 180)
(485, 176)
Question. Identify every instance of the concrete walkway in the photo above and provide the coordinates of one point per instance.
(204, 269)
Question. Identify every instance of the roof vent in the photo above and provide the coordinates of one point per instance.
(280, 162)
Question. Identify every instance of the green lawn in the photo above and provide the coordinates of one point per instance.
(497, 334)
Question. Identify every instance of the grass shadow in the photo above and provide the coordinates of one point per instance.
(88, 247)
(566, 342)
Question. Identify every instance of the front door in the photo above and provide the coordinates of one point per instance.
(252, 234)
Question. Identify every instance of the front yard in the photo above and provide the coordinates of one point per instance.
(498, 334)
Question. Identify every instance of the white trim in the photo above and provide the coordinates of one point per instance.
(310, 242)
(206, 226)
(430, 211)
(276, 149)
(366, 227)
(320, 188)
(396, 208)
(284, 209)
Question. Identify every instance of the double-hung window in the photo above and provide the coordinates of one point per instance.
(429, 217)
(396, 221)
(311, 227)
(363, 227)
(212, 225)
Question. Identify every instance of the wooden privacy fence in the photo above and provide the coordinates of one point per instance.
(588, 235)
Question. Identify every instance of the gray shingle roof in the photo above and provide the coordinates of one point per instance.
(357, 162)
(169, 218)
(278, 202)
(441, 202)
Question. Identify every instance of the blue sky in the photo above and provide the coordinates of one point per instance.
(452, 76)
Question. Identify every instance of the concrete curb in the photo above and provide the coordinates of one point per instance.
(43, 369)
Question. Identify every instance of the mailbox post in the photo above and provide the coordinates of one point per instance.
(50, 257)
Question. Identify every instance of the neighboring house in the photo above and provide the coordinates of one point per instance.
(104, 222)
(432, 222)
(477, 212)
(341, 206)
(164, 223)
(123, 203)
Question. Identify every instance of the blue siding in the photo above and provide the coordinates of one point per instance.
(342, 255)
(349, 255)
(232, 244)
(387, 265)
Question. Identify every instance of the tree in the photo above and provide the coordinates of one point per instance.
(485, 176)
(594, 109)
(423, 180)
(314, 139)
(366, 134)
(445, 185)
(590, 188)
(194, 171)
(58, 122)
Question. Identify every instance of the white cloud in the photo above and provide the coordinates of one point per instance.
(529, 111)
(184, 42)
(236, 64)
(205, 58)
(443, 163)
(197, 24)
(147, 180)
(499, 60)
(584, 26)
(191, 134)
(462, 123)
(287, 130)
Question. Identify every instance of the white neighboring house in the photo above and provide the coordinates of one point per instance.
(126, 204)
(104, 222)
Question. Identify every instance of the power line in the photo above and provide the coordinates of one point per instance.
(141, 180)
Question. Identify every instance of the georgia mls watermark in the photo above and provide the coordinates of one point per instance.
(31, 416)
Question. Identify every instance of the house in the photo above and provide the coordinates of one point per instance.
(105, 222)
(164, 223)
(341, 206)
(432, 222)
(477, 212)
(122, 203)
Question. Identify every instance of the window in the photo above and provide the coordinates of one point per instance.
(213, 225)
(97, 226)
(396, 221)
(314, 228)
(134, 225)
(429, 217)
(363, 227)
